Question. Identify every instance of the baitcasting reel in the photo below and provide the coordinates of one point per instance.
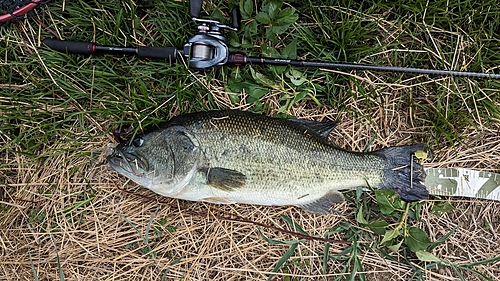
(208, 48)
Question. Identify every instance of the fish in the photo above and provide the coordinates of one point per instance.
(233, 156)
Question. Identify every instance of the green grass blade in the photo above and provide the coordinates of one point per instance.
(33, 269)
(283, 259)
(295, 225)
(483, 262)
(325, 258)
(276, 242)
(59, 267)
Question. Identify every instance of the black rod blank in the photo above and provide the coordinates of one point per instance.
(240, 59)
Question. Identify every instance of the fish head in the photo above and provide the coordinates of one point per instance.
(164, 161)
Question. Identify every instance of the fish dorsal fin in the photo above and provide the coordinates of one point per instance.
(224, 179)
(322, 129)
(324, 204)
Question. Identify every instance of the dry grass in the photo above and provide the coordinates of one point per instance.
(95, 242)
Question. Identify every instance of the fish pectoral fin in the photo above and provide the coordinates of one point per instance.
(224, 179)
(218, 200)
(324, 204)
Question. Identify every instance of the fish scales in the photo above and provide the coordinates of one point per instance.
(241, 157)
(284, 156)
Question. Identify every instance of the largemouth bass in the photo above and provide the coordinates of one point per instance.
(240, 157)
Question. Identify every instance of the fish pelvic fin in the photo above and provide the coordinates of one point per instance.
(324, 204)
(403, 173)
(218, 200)
(224, 179)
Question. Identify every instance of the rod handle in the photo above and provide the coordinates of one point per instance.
(71, 47)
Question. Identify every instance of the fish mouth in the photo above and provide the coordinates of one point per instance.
(127, 163)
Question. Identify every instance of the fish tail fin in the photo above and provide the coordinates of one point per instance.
(403, 173)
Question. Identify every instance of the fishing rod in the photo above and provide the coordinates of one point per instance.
(209, 48)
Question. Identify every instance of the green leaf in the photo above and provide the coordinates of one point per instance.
(420, 154)
(236, 85)
(378, 227)
(286, 16)
(395, 247)
(68, 210)
(279, 29)
(171, 229)
(263, 18)
(285, 13)
(255, 93)
(234, 41)
(341, 228)
(250, 31)
(385, 201)
(359, 216)
(296, 77)
(417, 239)
(271, 36)
(235, 99)
(269, 51)
(300, 96)
(33, 269)
(246, 8)
(441, 208)
(483, 262)
(273, 8)
(427, 257)
(357, 270)
(290, 51)
(260, 78)
(390, 235)
(163, 222)
(416, 211)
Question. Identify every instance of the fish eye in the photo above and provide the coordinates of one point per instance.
(138, 142)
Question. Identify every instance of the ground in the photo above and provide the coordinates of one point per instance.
(65, 216)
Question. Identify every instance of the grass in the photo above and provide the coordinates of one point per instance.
(64, 215)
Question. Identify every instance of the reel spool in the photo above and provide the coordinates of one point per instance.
(202, 52)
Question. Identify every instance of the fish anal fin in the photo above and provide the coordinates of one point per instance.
(324, 204)
(224, 179)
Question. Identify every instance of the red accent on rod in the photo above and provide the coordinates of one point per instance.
(239, 59)
(21, 11)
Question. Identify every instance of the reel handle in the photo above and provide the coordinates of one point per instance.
(235, 18)
(195, 8)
